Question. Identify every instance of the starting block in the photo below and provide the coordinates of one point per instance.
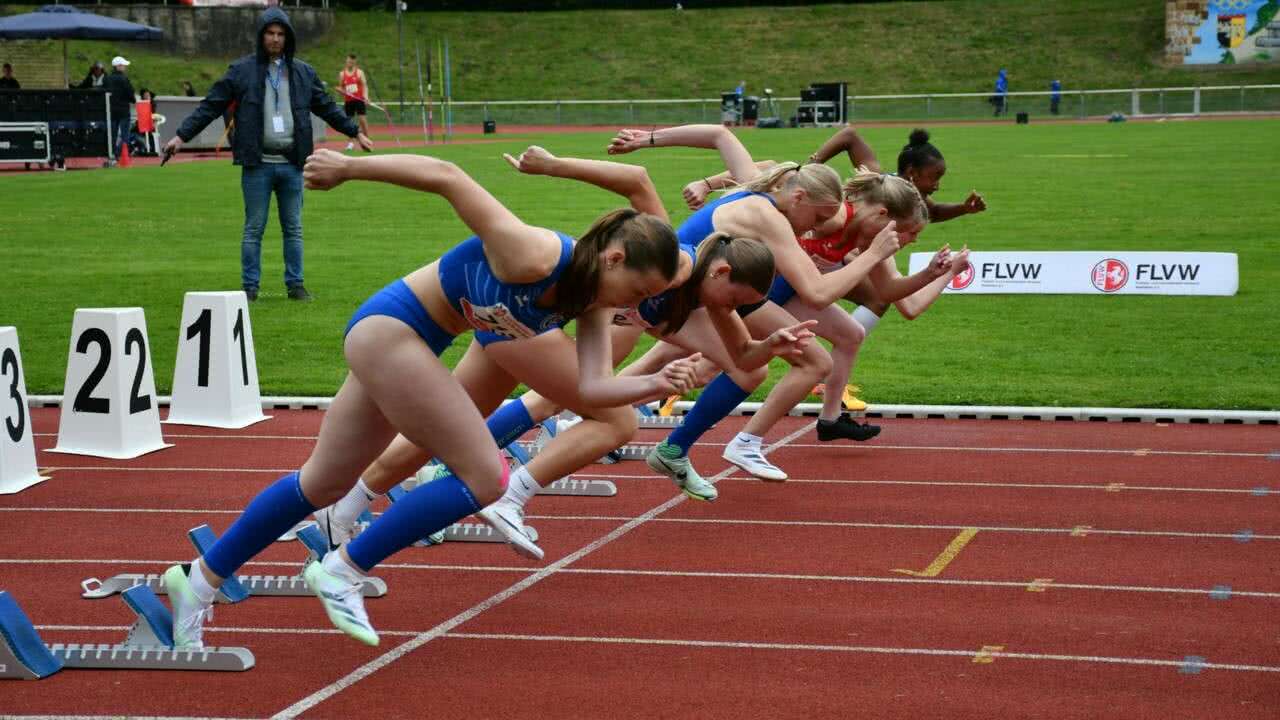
(234, 589)
(215, 377)
(518, 450)
(148, 646)
(110, 408)
(17, 441)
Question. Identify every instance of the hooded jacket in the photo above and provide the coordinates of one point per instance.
(243, 85)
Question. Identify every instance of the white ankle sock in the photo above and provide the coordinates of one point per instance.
(867, 319)
(335, 564)
(521, 487)
(199, 584)
(347, 510)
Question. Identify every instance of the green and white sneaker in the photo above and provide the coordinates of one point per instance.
(342, 600)
(189, 613)
(667, 459)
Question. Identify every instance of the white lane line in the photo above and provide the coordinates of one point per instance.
(117, 717)
(1108, 487)
(1090, 530)
(773, 576)
(729, 644)
(1132, 452)
(1083, 529)
(391, 656)
(865, 649)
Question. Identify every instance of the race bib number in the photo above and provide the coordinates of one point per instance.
(352, 88)
(496, 319)
(629, 316)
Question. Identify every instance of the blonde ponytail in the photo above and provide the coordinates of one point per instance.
(898, 195)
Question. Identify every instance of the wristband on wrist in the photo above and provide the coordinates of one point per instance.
(708, 184)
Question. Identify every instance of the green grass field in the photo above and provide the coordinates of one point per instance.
(879, 48)
(144, 236)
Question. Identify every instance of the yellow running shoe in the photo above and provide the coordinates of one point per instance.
(850, 399)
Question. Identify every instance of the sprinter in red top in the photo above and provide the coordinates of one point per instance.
(352, 84)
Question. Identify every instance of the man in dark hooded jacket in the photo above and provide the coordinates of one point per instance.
(273, 94)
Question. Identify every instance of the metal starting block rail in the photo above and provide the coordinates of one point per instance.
(660, 422)
(148, 646)
(234, 589)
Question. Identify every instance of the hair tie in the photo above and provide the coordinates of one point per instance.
(726, 239)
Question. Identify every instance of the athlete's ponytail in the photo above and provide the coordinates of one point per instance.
(821, 183)
(898, 195)
(649, 244)
(750, 263)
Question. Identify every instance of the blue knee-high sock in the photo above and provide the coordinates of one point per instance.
(429, 508)
(268, 516)
(509, 422)
(713, 405)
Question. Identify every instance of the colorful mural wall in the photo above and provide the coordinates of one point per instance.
(1201, 32)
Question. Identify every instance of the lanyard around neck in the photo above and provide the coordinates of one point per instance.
(275, 82)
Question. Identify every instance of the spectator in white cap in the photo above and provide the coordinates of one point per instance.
(117, 83)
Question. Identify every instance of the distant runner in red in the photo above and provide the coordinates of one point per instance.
(352, 84)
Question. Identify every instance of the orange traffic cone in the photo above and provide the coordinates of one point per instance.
(124, 156)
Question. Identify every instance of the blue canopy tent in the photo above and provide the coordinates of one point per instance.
(63, 22)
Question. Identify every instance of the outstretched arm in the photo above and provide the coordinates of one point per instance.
(911, 306)
(518, 253)
(849, 141)
(598, 386)
(942, 212)
(695, 193)
(629, 181)
(814, 288)
(891, 286)
(715, 137)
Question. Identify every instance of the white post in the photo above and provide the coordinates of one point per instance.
(1135, 107)
(17, 439)
(1195, 102)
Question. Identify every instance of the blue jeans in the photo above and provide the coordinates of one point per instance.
(120, 132)
(257, 183)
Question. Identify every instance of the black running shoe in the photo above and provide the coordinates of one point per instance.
(251, 293)
(846, 428)
(298, 292)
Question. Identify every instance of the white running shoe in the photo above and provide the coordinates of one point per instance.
(336, 533)
(351, 146)
(343, 602)
(189, 613)
(507, 518)
(749, 457)
(671, 461)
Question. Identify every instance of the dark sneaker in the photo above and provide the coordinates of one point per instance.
(846, 428)
(298, 292)
(251, 293)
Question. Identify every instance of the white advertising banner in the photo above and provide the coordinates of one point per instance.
(1095, 273)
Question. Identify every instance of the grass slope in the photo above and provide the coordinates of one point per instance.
(953, 46)
(145, 236)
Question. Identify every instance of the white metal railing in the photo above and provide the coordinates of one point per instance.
(1181, 100)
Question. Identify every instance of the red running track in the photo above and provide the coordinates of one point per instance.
(1096, 571)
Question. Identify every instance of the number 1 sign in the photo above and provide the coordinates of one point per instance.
(215, 379)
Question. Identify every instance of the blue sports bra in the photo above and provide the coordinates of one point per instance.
(497, 310)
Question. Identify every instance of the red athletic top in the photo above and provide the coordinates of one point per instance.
(352, 85)
(830, 249)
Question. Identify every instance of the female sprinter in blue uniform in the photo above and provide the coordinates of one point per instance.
(697, 313)
(775, 207)
(516, 285)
